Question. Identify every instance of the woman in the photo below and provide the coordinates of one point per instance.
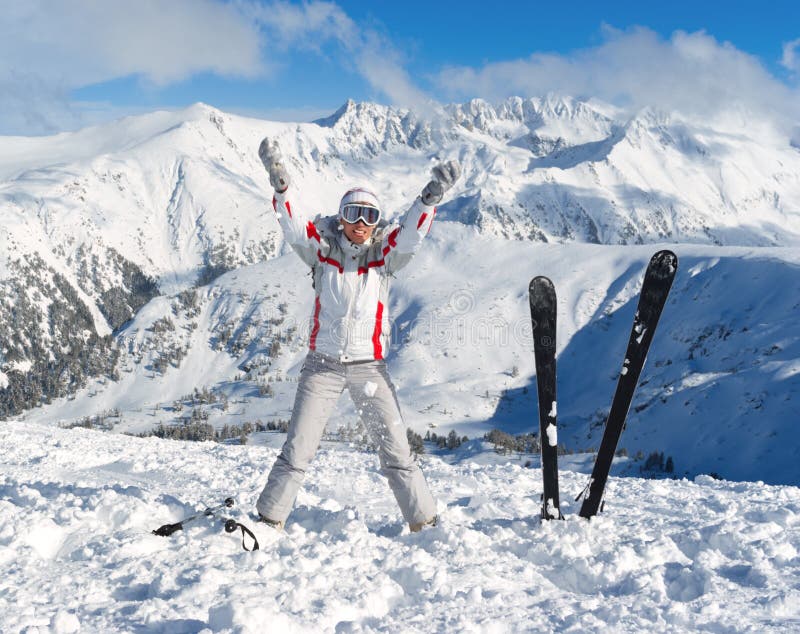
(352, 256)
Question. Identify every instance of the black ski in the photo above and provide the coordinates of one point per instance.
(542, 296)
(657, 282)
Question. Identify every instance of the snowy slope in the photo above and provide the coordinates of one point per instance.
(719, 393)
(116, 240)
(77, 554)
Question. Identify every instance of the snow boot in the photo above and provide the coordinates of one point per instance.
(418, 526)
(276, 524)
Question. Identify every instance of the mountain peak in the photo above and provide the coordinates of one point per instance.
(331, 121)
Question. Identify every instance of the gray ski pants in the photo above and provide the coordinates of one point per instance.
(322, 380)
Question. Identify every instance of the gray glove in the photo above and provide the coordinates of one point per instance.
(270, 154)
(444, 177)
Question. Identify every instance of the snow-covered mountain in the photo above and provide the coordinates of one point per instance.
(139, 261)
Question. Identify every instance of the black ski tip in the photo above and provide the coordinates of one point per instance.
(540, 283)
(542, 294)
(664, 263)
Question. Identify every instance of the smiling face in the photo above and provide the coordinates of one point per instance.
(357, 232)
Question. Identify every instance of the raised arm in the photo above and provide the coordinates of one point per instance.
(401, 241)
(298, 230)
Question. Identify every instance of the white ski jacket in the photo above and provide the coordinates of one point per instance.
(350, 319)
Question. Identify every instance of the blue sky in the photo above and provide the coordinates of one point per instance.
(67, 64)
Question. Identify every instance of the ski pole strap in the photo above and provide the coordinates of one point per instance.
(231, 526)
(584, 491)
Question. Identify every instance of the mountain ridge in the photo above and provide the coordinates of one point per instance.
(109, 231)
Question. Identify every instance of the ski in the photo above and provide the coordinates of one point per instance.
(542, 296)
(656, 286)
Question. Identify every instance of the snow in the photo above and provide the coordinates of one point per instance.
(77, 554)
(370, 388)
(697, 379)
(21, 366)
(552, 435)
(551, 509)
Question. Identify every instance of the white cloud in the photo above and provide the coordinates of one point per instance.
(303, 26)
(689, 72)
(48, 49)
(314, 25)
(791, 56)
(381, 65)
(83, 41)
(29, 104)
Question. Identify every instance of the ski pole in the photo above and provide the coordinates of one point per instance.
(167, 529)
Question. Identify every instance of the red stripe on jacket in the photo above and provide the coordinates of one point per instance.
(312, 344)
(391, 240)
(286, 202)
(376, 333)
(311, 231)
(331, 261)
(275, 205)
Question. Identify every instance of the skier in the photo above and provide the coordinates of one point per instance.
(352, 256)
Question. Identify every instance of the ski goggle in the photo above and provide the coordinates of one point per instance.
(353, 213)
